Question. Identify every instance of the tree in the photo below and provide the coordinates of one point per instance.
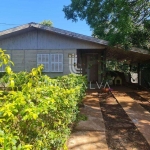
(124, 23)
(47, 23)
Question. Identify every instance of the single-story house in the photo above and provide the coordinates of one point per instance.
(60, 51)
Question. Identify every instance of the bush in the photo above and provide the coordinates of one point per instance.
(36, 111)
(2, 74)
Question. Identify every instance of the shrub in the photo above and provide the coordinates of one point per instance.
(36, 111)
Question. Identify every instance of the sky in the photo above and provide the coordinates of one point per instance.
(18, 12)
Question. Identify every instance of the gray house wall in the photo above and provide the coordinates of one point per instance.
(39, 40)
(24, 48)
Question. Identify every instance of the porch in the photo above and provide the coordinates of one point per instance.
(93, 64)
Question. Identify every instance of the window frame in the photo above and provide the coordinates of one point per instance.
(43, 62)
(57, 63)
(52, 63)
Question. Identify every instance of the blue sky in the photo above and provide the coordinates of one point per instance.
(17, 12)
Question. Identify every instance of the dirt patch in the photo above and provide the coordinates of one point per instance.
(140, 100)
(121, 133)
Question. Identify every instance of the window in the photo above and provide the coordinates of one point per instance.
(56, 62)
(51, 62)
(43, 59)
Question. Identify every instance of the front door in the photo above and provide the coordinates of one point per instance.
(92, 67)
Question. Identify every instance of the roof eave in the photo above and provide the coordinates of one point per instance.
(15, 29)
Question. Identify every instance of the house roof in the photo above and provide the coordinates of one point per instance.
(134, 55)
(32, 25)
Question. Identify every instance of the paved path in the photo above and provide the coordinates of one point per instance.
(144, 94)
(139, 116)
(89, 134)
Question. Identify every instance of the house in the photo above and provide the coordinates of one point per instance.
(32, 44)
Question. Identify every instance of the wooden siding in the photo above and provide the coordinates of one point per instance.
(25, 60)
(38, 39)
(18, 58)
(20, 42)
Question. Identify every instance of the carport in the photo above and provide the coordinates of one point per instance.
(135, 56)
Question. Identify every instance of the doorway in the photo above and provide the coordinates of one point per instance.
(92, 67)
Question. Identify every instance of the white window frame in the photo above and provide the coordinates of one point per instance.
(56, 62)
(39, 62)
(54, 65)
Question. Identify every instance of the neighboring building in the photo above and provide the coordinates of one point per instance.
(32, 44)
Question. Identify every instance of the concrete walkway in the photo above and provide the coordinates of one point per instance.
(139, 116)
(89, 134)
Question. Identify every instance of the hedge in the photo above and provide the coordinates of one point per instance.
(37, 111)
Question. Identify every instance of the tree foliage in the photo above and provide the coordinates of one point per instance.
(122, 22)
(47, 23)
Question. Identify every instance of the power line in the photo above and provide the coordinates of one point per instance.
(8, 24)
